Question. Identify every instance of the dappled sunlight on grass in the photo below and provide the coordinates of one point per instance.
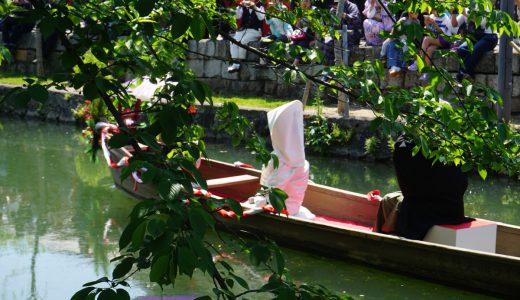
(19, 79)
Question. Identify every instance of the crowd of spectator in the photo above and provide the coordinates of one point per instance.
(365, 20)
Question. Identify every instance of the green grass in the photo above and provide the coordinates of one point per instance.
(12, 78)
(257, 102)
(250, 101)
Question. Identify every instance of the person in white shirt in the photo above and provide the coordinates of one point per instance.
(440, 25)
(250, 16)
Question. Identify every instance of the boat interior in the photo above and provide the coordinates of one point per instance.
(333, 207)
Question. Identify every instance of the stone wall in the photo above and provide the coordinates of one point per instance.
(211, 67)
(25, 57)
(58, 107)
(209, 61)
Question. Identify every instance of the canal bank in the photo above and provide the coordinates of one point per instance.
(60, 104)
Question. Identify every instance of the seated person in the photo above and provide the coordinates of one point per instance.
(352, 18)
(390, 50)
(433, 194)
(307, 37)
(443, 24)
(292, 174)
(483, 39)
(376, 21)
(280, 30)
(250, 16)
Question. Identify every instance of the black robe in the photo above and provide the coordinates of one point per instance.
(433, 194)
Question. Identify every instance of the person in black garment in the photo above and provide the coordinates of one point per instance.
(433, 193)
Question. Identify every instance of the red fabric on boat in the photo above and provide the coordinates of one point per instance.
(472, 224)
(319, 219)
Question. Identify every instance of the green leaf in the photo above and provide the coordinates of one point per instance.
(138, 235)
(180, 23)
(280, 261)
(90, 90)
(47, 26)
(149, 140)
(102, 279)
(150, 173)
(82, 294)
(198, 27)
(277, 199)
(169, 118)
(22, 98)
(190, 167)
(187, 261)
(123, 267)
(122, 294)
(144, 7)
(155, 228)
(198, 90)
(235, 206)
(482, 172)
(199, 220)
(240, 281)
(38, 92)
(203, 298)
(68, 60)
(169, 190)
(119, 140)
(159, 268)
(108, 294)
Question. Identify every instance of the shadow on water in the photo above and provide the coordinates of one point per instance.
(61, 216)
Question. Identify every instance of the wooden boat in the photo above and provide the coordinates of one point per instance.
(343, 229)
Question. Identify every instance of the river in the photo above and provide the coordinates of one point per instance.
(60, 218)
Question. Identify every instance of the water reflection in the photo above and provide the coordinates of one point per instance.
(61, 216)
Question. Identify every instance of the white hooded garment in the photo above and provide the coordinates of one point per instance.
(292, 175)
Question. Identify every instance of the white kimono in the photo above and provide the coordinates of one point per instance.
(292, 175)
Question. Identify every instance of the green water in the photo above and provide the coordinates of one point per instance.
(60, 217)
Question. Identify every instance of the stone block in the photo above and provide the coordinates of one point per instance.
(208, 48)
(267, 74)
(515, 104)
(248, 72)
(197, 66)
(394, 81)
(492, 81)
(411, 79)
(27, 41)
(516, 86)
(481, 78)
(290, 91)
(21, 55)
(247, 87)
(192, 48)
(222, 49)
(213, 68)
(231, 76)
(488, 64)
(270, 88)
(515, 67)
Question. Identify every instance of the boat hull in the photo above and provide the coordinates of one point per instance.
(497, 274)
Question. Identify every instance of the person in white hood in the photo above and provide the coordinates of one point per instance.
(292, 174)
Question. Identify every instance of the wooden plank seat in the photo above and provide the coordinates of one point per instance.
(231, 180)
